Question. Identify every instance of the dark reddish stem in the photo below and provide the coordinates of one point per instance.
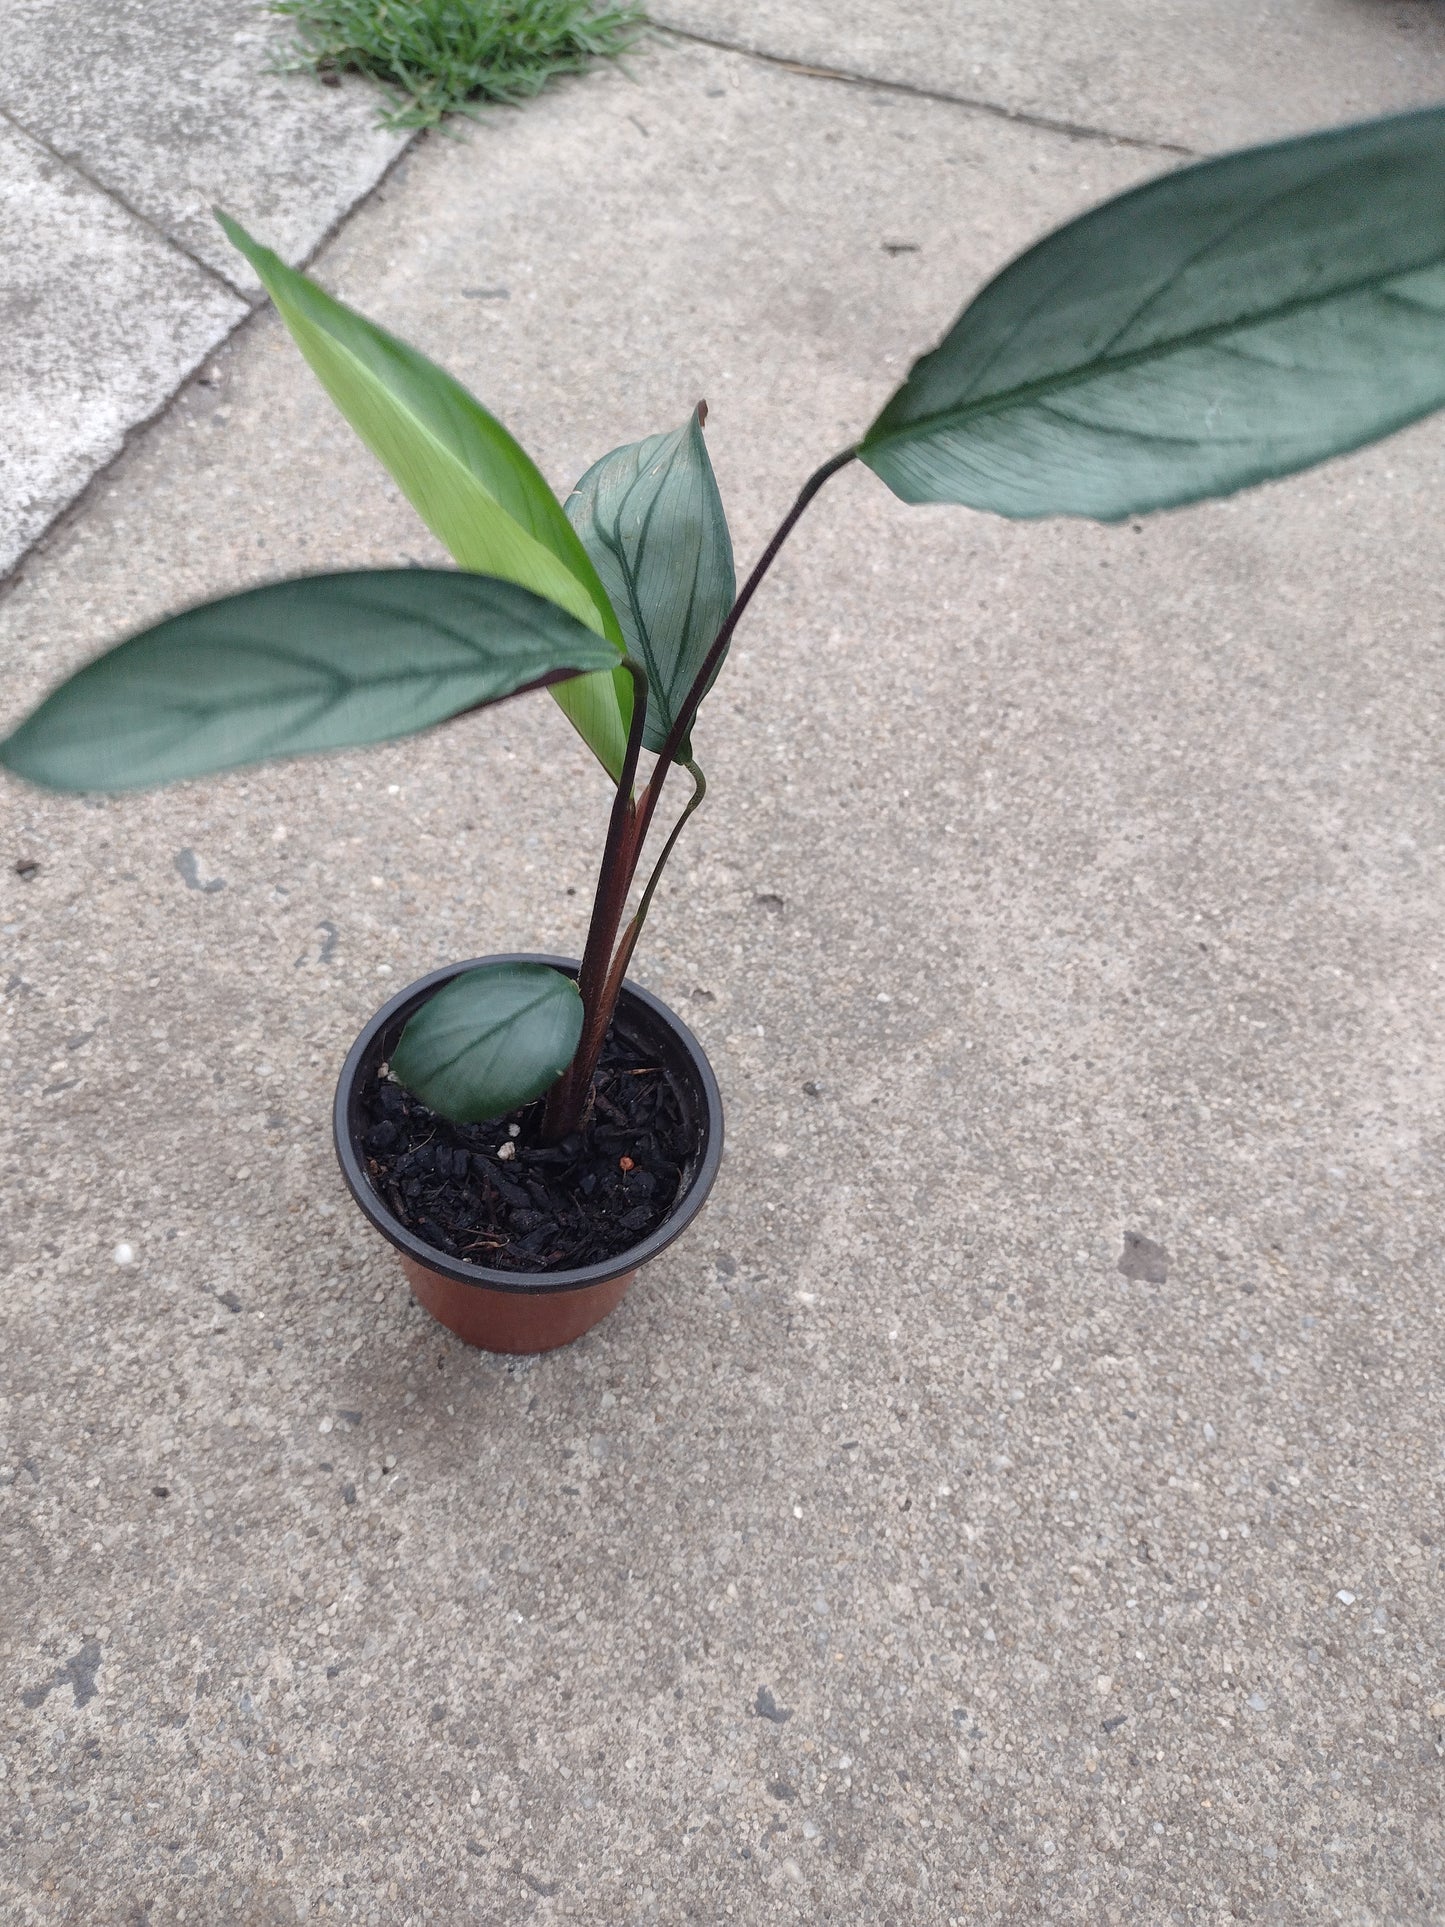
(620, 853)
(680, 730)
(605, 961)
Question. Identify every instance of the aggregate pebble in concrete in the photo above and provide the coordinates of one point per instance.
(916, 1543)
(1202, 74)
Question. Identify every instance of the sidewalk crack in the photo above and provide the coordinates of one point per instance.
(70, 512)
(846, 76)
(137, 214)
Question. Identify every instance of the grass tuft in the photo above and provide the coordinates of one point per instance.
(442, 57)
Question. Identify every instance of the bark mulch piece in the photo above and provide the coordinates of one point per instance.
(545, 1207)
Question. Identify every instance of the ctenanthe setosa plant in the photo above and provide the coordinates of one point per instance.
(1227, 323)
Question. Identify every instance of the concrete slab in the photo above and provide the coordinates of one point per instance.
(102, 320)
(1202, 74)
(1019, 1499)
(169, 105)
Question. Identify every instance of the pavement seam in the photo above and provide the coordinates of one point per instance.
(67, 516)
(847, 76)
(75, 508)
(152, 227)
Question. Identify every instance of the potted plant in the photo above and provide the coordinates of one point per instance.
(526, 1130)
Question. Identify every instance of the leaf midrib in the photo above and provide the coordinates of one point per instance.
(1005, 399)
(610, 536)
(663, 687)
(470, 476)
(343, 685)
(487, 1039)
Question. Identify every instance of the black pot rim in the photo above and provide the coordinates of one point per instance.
(525, 1284)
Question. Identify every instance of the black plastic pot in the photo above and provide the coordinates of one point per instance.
(509, 1311)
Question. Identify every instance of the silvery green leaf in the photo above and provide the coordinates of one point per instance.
(1226, 323)
(651, 519)
(320, 662)
(490, 1040)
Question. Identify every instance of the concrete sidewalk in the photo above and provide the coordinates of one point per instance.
(1019, 1498)
(121, 123)
(1190, 75)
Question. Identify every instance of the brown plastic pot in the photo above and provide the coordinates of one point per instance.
(511, 1311)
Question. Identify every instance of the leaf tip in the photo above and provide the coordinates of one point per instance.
(702, 414)
(254, 251)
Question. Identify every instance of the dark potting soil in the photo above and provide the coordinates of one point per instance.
(541, 1207)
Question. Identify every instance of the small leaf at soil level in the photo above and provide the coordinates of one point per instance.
(490, 1040)
(652, 520)
(1230, 322)
(477, 489)
(321, 662)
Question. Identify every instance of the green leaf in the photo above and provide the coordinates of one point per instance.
(476, 488)
(321, 662)
(490, 1040)
(1227, 323)
(652, 521)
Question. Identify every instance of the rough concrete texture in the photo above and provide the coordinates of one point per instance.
(102, 319)
(1201, 74)
(174, 106)
(1020, 1496)
(121, 123)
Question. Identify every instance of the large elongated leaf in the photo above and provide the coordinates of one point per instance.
(1230, 322)
(490, 1040)
(652, 520)
(322, 662)
(476, 488)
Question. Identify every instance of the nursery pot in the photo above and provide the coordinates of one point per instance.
(514, 1311)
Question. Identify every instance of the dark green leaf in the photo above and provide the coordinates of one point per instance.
(322, 662)
(477, 489)
(490, 1040)
(652, 521)
(1230, 322)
